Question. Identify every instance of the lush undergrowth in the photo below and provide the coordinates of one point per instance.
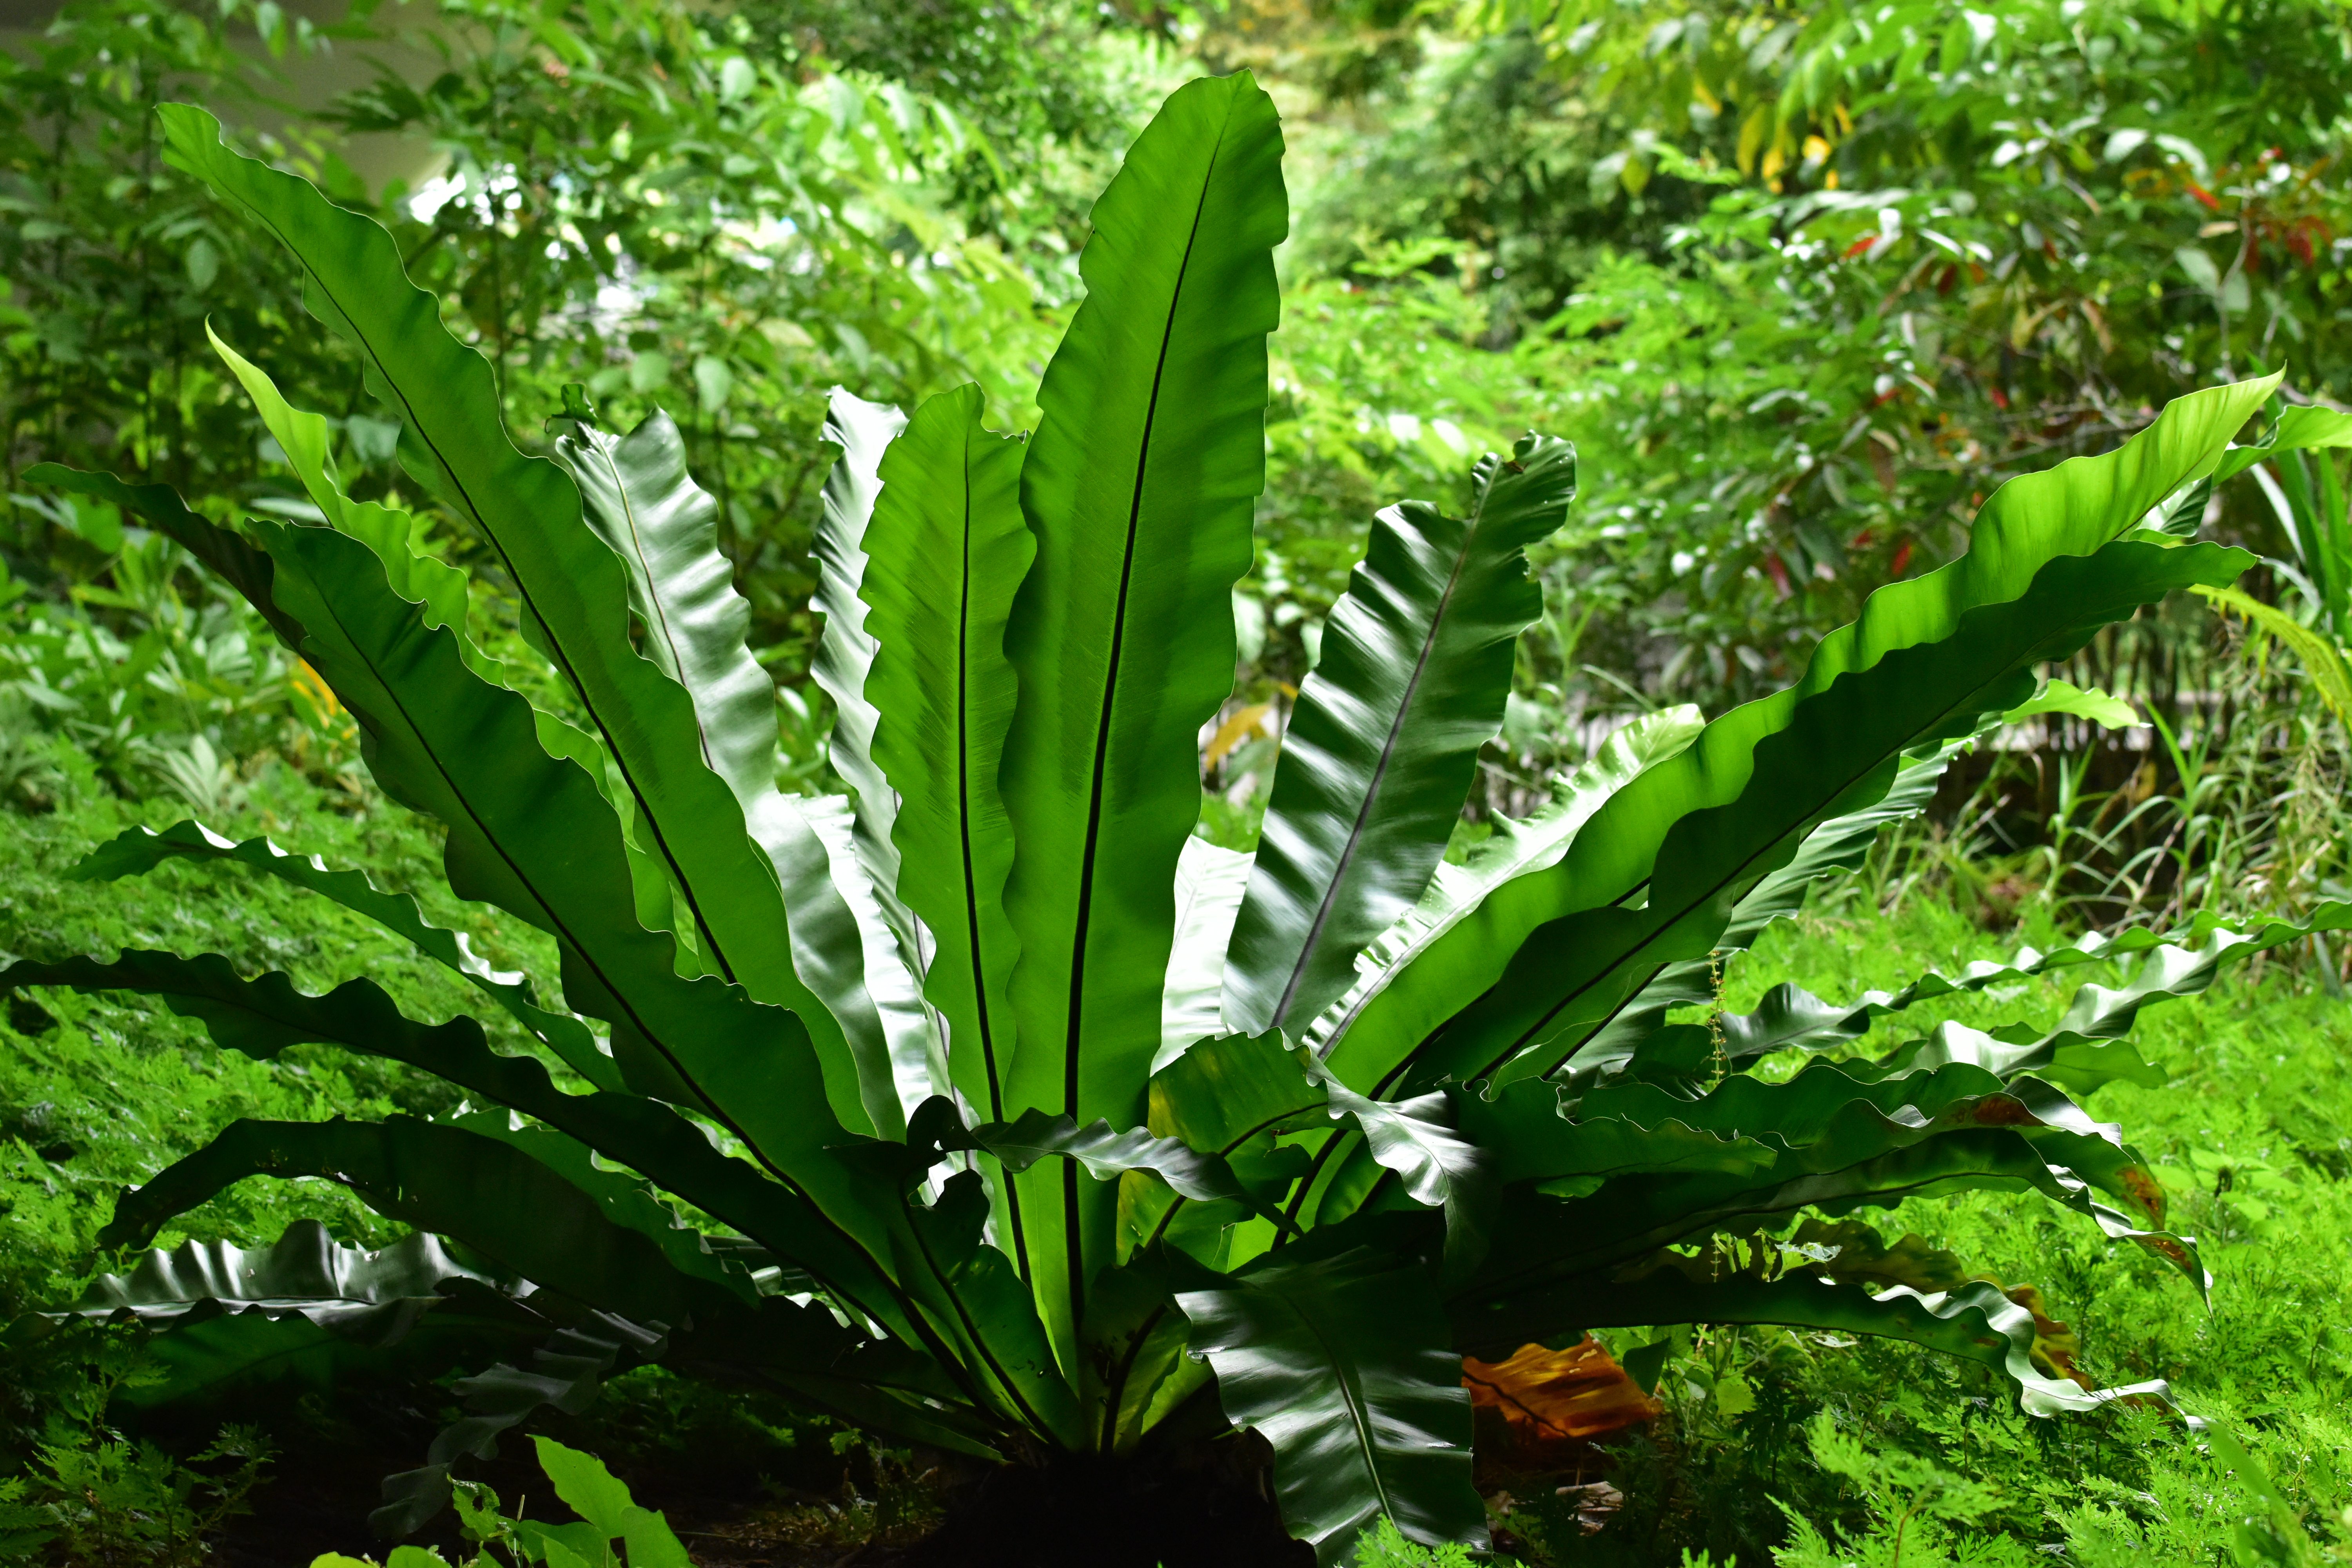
(1804, 1450)
(1811, 1451)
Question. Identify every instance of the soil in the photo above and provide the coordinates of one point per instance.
(744, 1502)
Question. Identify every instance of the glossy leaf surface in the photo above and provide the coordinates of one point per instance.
(1343, 1363)
(1383, 742)
(1137, 487)
(948, 549)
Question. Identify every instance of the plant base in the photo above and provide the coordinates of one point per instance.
(1204, 1505)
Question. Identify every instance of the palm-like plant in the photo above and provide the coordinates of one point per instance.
(1015, 1119)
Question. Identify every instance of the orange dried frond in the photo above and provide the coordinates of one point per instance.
(1551, 1396)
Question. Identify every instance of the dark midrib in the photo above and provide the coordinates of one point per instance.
(1381, 769)
(555, 644)
(645, 1029)
(1006, 1380)
(914, 1315)
(971, 876)
(1084, 914)
(567, 935)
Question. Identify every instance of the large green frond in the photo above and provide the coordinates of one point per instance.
(1344, 1364)
(639, 498)
(947, 551)
(1139, 487)
(1416, 974)
(1928, 659)
(573, 588)
(261, 1017)
(136, 850)
(1383, 742)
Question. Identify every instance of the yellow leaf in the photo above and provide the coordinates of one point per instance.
(1752, 132)
(1817, 150)
(309, 683)
(1234, 730)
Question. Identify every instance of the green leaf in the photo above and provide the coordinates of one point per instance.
(1233, 1097)
(136, 850)
(948, 547)
(624, 1199)
(590, 1490)
(1106, 1154)
(2303, 427)
(1838, 845)
(1415, 974)
(1838, 1139)
(1383, 742)
(305, 1308)
(2064, 697)
(441, 591)
(1344, 1364)
(1927, 660)
(455, 1181)
(1437, 1166)
(845, 651)
(1210, 885)
(1223, 1092)
(529, 832)
(995, 1322)
(1139, 487)
(638, 497)
(571, 588)
(909, 1034)
(2180, 964)
(1830, 755)
(261, 1017)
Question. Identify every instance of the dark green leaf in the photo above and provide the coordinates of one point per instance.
(1344, 1364)
(1414, 975)
(1139, 487)
(136, 850)
(572, 589)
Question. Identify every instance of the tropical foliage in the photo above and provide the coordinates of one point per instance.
(1013, 1115)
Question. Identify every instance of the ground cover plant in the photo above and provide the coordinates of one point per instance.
(999, 1143)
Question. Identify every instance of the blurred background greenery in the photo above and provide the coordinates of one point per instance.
(1804, 281)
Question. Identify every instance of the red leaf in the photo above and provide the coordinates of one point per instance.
(1902, 559)
(2202, 195)
(1859, 246)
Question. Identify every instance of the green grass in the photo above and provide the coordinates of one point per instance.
(1800, 1450)
(1804, 1450)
